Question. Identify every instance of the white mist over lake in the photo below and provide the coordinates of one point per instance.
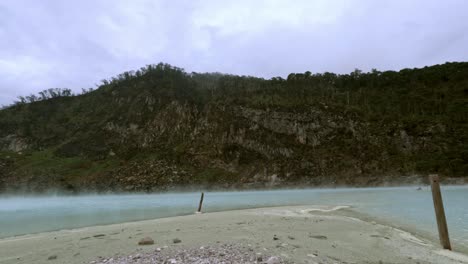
(404, 206)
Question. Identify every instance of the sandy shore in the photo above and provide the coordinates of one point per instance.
(302, 234)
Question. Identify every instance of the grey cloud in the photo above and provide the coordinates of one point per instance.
(75, 44)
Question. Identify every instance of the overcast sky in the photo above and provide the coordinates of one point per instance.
(75, 44)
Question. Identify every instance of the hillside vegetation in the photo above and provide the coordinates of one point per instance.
(160, 127)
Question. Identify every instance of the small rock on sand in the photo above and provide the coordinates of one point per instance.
(273, 260)
(146, 241)
(319, 237)
(176, 240)
(52, 257)
(275, 237)
(259, 257)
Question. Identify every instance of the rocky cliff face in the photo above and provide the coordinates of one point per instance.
(233, 146)
(128, 138)
(13, 143)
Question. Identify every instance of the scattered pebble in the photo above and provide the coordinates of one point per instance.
(52, 257)
(220, 253)
(176, 240)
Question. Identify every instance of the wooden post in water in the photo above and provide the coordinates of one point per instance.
(439, 211)
(201, 202)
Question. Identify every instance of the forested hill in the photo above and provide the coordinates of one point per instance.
(160, 127)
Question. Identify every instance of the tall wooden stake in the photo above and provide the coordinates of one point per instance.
(439, 211)
(201, 202)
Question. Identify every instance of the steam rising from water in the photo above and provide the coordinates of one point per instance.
(404, 206)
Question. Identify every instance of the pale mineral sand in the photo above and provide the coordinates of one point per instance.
(305, 234)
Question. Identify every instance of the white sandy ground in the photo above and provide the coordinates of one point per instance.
(306, 234)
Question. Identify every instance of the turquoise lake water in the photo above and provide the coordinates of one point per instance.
(403, 206)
